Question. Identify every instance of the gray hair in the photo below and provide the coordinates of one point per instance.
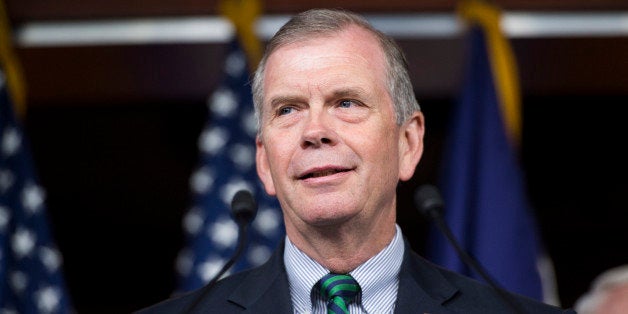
(322, 22)
(600, 288)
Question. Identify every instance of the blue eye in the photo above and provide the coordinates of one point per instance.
(285, 110)
(346, 103)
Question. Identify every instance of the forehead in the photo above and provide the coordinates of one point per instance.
(352, 36)
(351, 51)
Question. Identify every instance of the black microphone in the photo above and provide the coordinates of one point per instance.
(430, 204)
(243, 210)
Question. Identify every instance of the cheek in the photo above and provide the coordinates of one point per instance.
(279, 152)
(379, 154)
(386, 142)
(387, 152)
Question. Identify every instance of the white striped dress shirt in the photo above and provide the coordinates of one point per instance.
(378, 278)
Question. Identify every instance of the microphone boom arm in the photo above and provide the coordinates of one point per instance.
(243, 210)
(430, 204)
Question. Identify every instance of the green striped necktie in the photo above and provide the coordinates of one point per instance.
(339, 290)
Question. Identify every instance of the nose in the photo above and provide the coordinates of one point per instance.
(318, 131)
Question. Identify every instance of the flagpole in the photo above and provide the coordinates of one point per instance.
(11, 65)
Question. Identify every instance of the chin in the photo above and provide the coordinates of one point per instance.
(327, 215)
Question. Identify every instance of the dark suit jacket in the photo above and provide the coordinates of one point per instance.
(423, 288)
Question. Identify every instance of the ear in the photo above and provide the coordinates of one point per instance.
(263, 167)
(410, 145)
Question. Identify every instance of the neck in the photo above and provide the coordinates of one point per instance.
(342, 248)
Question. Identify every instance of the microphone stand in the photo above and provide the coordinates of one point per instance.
(242, 235)
(440, 223)
(430, 204)
(243, 209)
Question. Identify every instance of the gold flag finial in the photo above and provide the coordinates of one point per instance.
(502, 61)
(243, 14)
(16, 85)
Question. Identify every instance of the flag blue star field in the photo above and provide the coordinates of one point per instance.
(483, 187)
(31, 279)
(227, 153)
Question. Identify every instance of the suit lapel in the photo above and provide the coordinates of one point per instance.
(422, 289)
(265, 289)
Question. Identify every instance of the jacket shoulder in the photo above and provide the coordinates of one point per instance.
(215, 297)
(258, 290)
(447, 291)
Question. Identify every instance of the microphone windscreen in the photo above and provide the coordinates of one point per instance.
(243, 207)
(428, 201)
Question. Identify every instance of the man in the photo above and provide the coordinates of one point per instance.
(339, 126)
(608, 293)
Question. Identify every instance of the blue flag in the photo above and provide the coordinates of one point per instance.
(31, 277)
(483, 187)
(227, 164)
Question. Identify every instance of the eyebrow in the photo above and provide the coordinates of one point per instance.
(354, 92)
(274, 102)
(351, 92)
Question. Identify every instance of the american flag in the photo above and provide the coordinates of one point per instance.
(31, 278)
(227, 164)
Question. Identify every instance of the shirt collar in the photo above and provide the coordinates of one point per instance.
(303, 273)
(378, 274)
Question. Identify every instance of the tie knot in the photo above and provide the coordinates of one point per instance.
(339, 290)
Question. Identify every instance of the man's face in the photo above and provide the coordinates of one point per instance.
(329, 147)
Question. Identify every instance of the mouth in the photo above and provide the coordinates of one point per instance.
(321, 173)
